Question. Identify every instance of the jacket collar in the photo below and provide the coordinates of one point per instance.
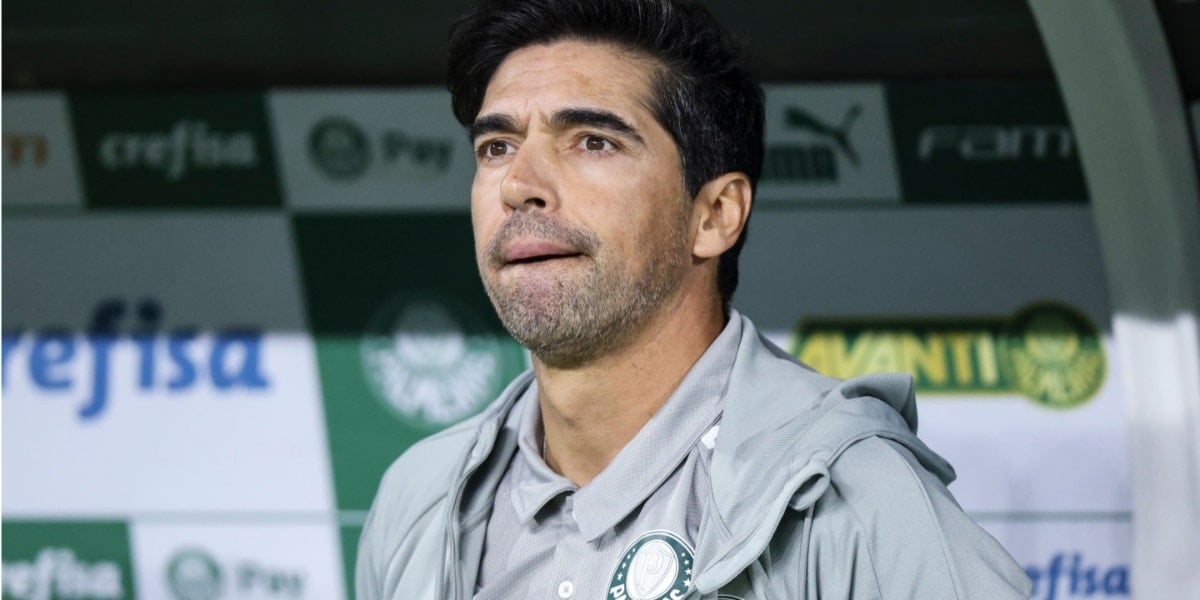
(647, 461)
(783, 425)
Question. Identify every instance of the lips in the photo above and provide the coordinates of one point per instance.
(529, 251)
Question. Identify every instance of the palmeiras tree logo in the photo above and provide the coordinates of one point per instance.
(657, 565)
(339, 148)
(432, 360)
(1053, 354)
(193, 575)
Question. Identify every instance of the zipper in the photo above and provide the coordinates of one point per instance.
(451, 582)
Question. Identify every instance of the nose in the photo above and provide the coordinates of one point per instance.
(528, 183)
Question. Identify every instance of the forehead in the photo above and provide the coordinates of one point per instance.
(544, 77)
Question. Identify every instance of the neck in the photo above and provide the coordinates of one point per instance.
(590, 412)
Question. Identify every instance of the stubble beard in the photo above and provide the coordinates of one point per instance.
(594, 308)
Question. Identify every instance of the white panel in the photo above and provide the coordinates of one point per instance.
(828, 142)
(236, 561)
(1070, 559)
(212, 400)
(371, 149)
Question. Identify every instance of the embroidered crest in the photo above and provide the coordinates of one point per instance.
(658, 565)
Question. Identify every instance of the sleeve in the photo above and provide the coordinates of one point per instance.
(392, 533)
(401, 544)
(888, 529)
(367, 564)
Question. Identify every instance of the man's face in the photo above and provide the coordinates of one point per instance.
(580, 215)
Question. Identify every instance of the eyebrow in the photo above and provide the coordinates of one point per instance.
(591, 117)
(491, 124)
(563, 119)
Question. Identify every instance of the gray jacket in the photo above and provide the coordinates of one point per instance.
(820, 489)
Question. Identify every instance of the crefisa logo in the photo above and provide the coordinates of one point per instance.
(1070, 575)
(429, 359)
(57, 359)
(344, 151)
(57, 573)
(189, 145)
(194, 574)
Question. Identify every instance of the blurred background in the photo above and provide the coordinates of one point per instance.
(238, 275)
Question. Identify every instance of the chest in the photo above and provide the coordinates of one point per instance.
(620, 544)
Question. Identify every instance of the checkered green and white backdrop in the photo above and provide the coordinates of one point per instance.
(225, 314)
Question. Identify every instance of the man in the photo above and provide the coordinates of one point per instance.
(660, 447)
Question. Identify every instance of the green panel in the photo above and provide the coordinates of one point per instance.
(349, 535)
(175, 150)
(407, 342)
(46, 560)
(971, 143)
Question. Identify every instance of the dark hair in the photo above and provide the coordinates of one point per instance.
(702, 94)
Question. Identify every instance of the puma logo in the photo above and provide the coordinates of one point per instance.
(799, 118)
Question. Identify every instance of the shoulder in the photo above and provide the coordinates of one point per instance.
(424, 473)
(905, 532)
(401, 526)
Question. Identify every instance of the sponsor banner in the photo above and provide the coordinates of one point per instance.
(158, 362)
(207, 561)
(1069, 557)
(39, 152)
(352, 150)
(66, 560)
(1049, 353)
(406, 339)
(175, 150)
(999, 313)
(973, 143)
(827, 142)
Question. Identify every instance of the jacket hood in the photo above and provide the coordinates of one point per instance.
(783, 426)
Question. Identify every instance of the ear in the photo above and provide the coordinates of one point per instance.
(719, 214)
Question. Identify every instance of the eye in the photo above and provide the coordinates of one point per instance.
(595, 143)
(493, 149)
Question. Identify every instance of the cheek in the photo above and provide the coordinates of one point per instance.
(485, 218)
(660, 205)
(630, 228)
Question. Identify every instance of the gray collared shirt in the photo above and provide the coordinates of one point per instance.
(547, 538)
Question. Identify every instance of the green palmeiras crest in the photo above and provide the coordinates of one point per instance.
(432, 360)
(657, 566)
(1054, 355)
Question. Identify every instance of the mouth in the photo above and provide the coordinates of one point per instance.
(541, 259)
(525, 252)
